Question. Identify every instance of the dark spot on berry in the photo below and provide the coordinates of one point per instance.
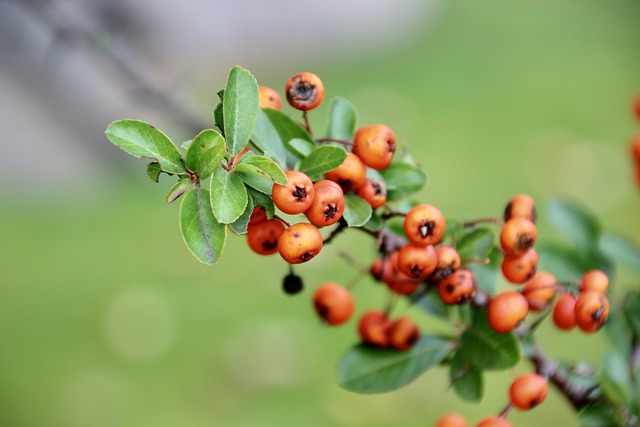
(330, 211)
(413, 338)
(523, 242)
(295, 234)
(270, 244)
(426, 228)
(303, 92)
(390, 145)
(299, 193)
(416, 270)
(449, 289)
(307, 256)
(597, 315)
(378, 188)
(321, 309)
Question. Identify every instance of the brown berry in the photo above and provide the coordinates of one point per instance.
(328, 203)
(374, 192)
(263, 237)
(507, 310)
(350, 175)
(452, 420)
(333, 303)
(592, 311)
(564, 312)
(521, 206)
(594, 280)
(269, 98)
(403, 333)
(424, 225)
(375, 145)
(417, 262)
(517, 236)
(457, 288)
(519, 269)
(296, 195)
(300, 243)
(304, 91)
(373, 328)
(539, 290)
(528, 391)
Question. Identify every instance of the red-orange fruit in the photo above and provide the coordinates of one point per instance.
(424, 225)
(269, 98)
(636, 107)
(258, 215)
(521, 206)
(564, 312)
(494, 421)
(592, 311)
(350, 175)
(333, 303)
(396, 281)
(403, 333)
(448, 262)
(328, 203)
(594, 280)
(517, 236)
(374, 192)
(263, 237)
(507, 310)
(528, 391)
(540, 290)
(304, 91)
(296, 195)
(452, 420)
(373, 328)
(417, 262)
(375, 145)
(634, 147)
(300, 243)
(519, 269)
(457, 288)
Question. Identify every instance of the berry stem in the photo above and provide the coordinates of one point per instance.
(342, 224)
(505, 412)
(306, 122)
(489, 219)
(282, 220)
(339, 141)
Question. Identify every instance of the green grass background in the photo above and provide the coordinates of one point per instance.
(107, 320)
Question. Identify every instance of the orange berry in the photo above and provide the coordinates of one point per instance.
(539, 290)
(350, 175)
(258, 215)
(296, 195)
(457, 288)
(333, 303)
(424, 225)
(517, 236)
(448, 262)
(521, 206)
(373, 328)
(397, 281)
(592, 311)
(417, 262)
(300, 243)
(528, 391)
(594, 280)
(452, 420)
(269, 98)
(636, 107)
(494, 422)
(519, 269)
(507, 310)
(564, 312)
(375, 145)
(374, 192)
(634, 147)
(403, 333)
(304, 91)
(263, 237)
(328, 203)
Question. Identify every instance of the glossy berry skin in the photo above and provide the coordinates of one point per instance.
(373, 328)
(375, 145)
(517, 236)
(269, 98)
(528, 391)
(350, 175)
(448, 262)
(292, 284)
(564, 312)
(540, 290)
(507, 310)
(417, 262)
(300, 243)
(424, 225)
(594, 280)
(263, 237)
(519, 269)
(327, 206)
(494, 422)
(521, 206)
(304, 91)
(374, 192)
(333, 303)
(403, 333)
(296, 195)
(452, 420)
(386, 270)
(457, 288)
(258, 215)
(592, 311)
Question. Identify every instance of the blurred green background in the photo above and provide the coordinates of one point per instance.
(107, 320)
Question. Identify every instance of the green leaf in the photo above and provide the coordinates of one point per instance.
(619, 331)
(205, 153)
(322, 159)
(371, 370)
(181, 187)
(487, 349)
(287, 127)
(266, 137)
(487, 274)
(267, 166)
(598, 415)
(375, 223)
(240, 225)
(255, 178)
(140, 139)
(467, 380)
(403, 180)
(356, 210)
(342, 119)
(240, 108)
(264, 200)
(632, 312)
(560, 261)
(615, 377)
(576, 224)
(228, 196)
(476, 244)
(300, 147)
(153, 171)
(203, 235)
(431, 303)
(185, 145)
(620, 249)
